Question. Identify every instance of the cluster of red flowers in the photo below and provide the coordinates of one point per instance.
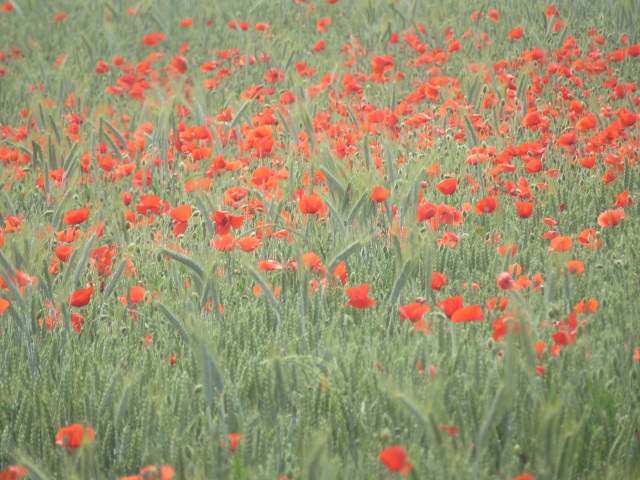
(268, 188)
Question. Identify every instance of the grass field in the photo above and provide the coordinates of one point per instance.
(319, 239)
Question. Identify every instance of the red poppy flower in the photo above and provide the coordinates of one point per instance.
(359, 297)
(448, 186)
(77, 322)
(136, 294)
(74, 217)
(426, 211)
(588, 122)
(248, 244)
(267, 265)
(448, 238)
(561, 244)
(151, 472)
(561, 338)
(323, 23)
(413, 311)
(225, 221)
(515, 34)
(575, 266)
(153, 39)
(567, 139)
(81, 297)
(438, 280)
(179, 63)
(181, 213)
(380, 65)
(234, 438)
(610, 218)
(551, 11)
(468, 314)
(311, 259)
(379, 194)
(450, 305)
(486, 205)
(586, 306)
(588, 162)
(63, 252)
(500, 328)
(234, 24)
(341, 272)
(310, 204)
(395, 459)
(525, 209)
(4, 304)
(151, 204)
(287, 98)
(450, 429)
(623, 200)
(20, 279)
(102, 67)
(505, 282)
(508, 249)
(533, 119)
(74, 435)
(262, 175)
(524, 476)
(589, 239)
(533, 166)
(224, 243)
(12, 472)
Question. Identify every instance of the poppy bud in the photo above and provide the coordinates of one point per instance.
(554, 311)
(505, 282)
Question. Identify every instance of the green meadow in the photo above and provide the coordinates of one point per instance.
(319, 239)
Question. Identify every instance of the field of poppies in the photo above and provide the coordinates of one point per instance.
(319, 239)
